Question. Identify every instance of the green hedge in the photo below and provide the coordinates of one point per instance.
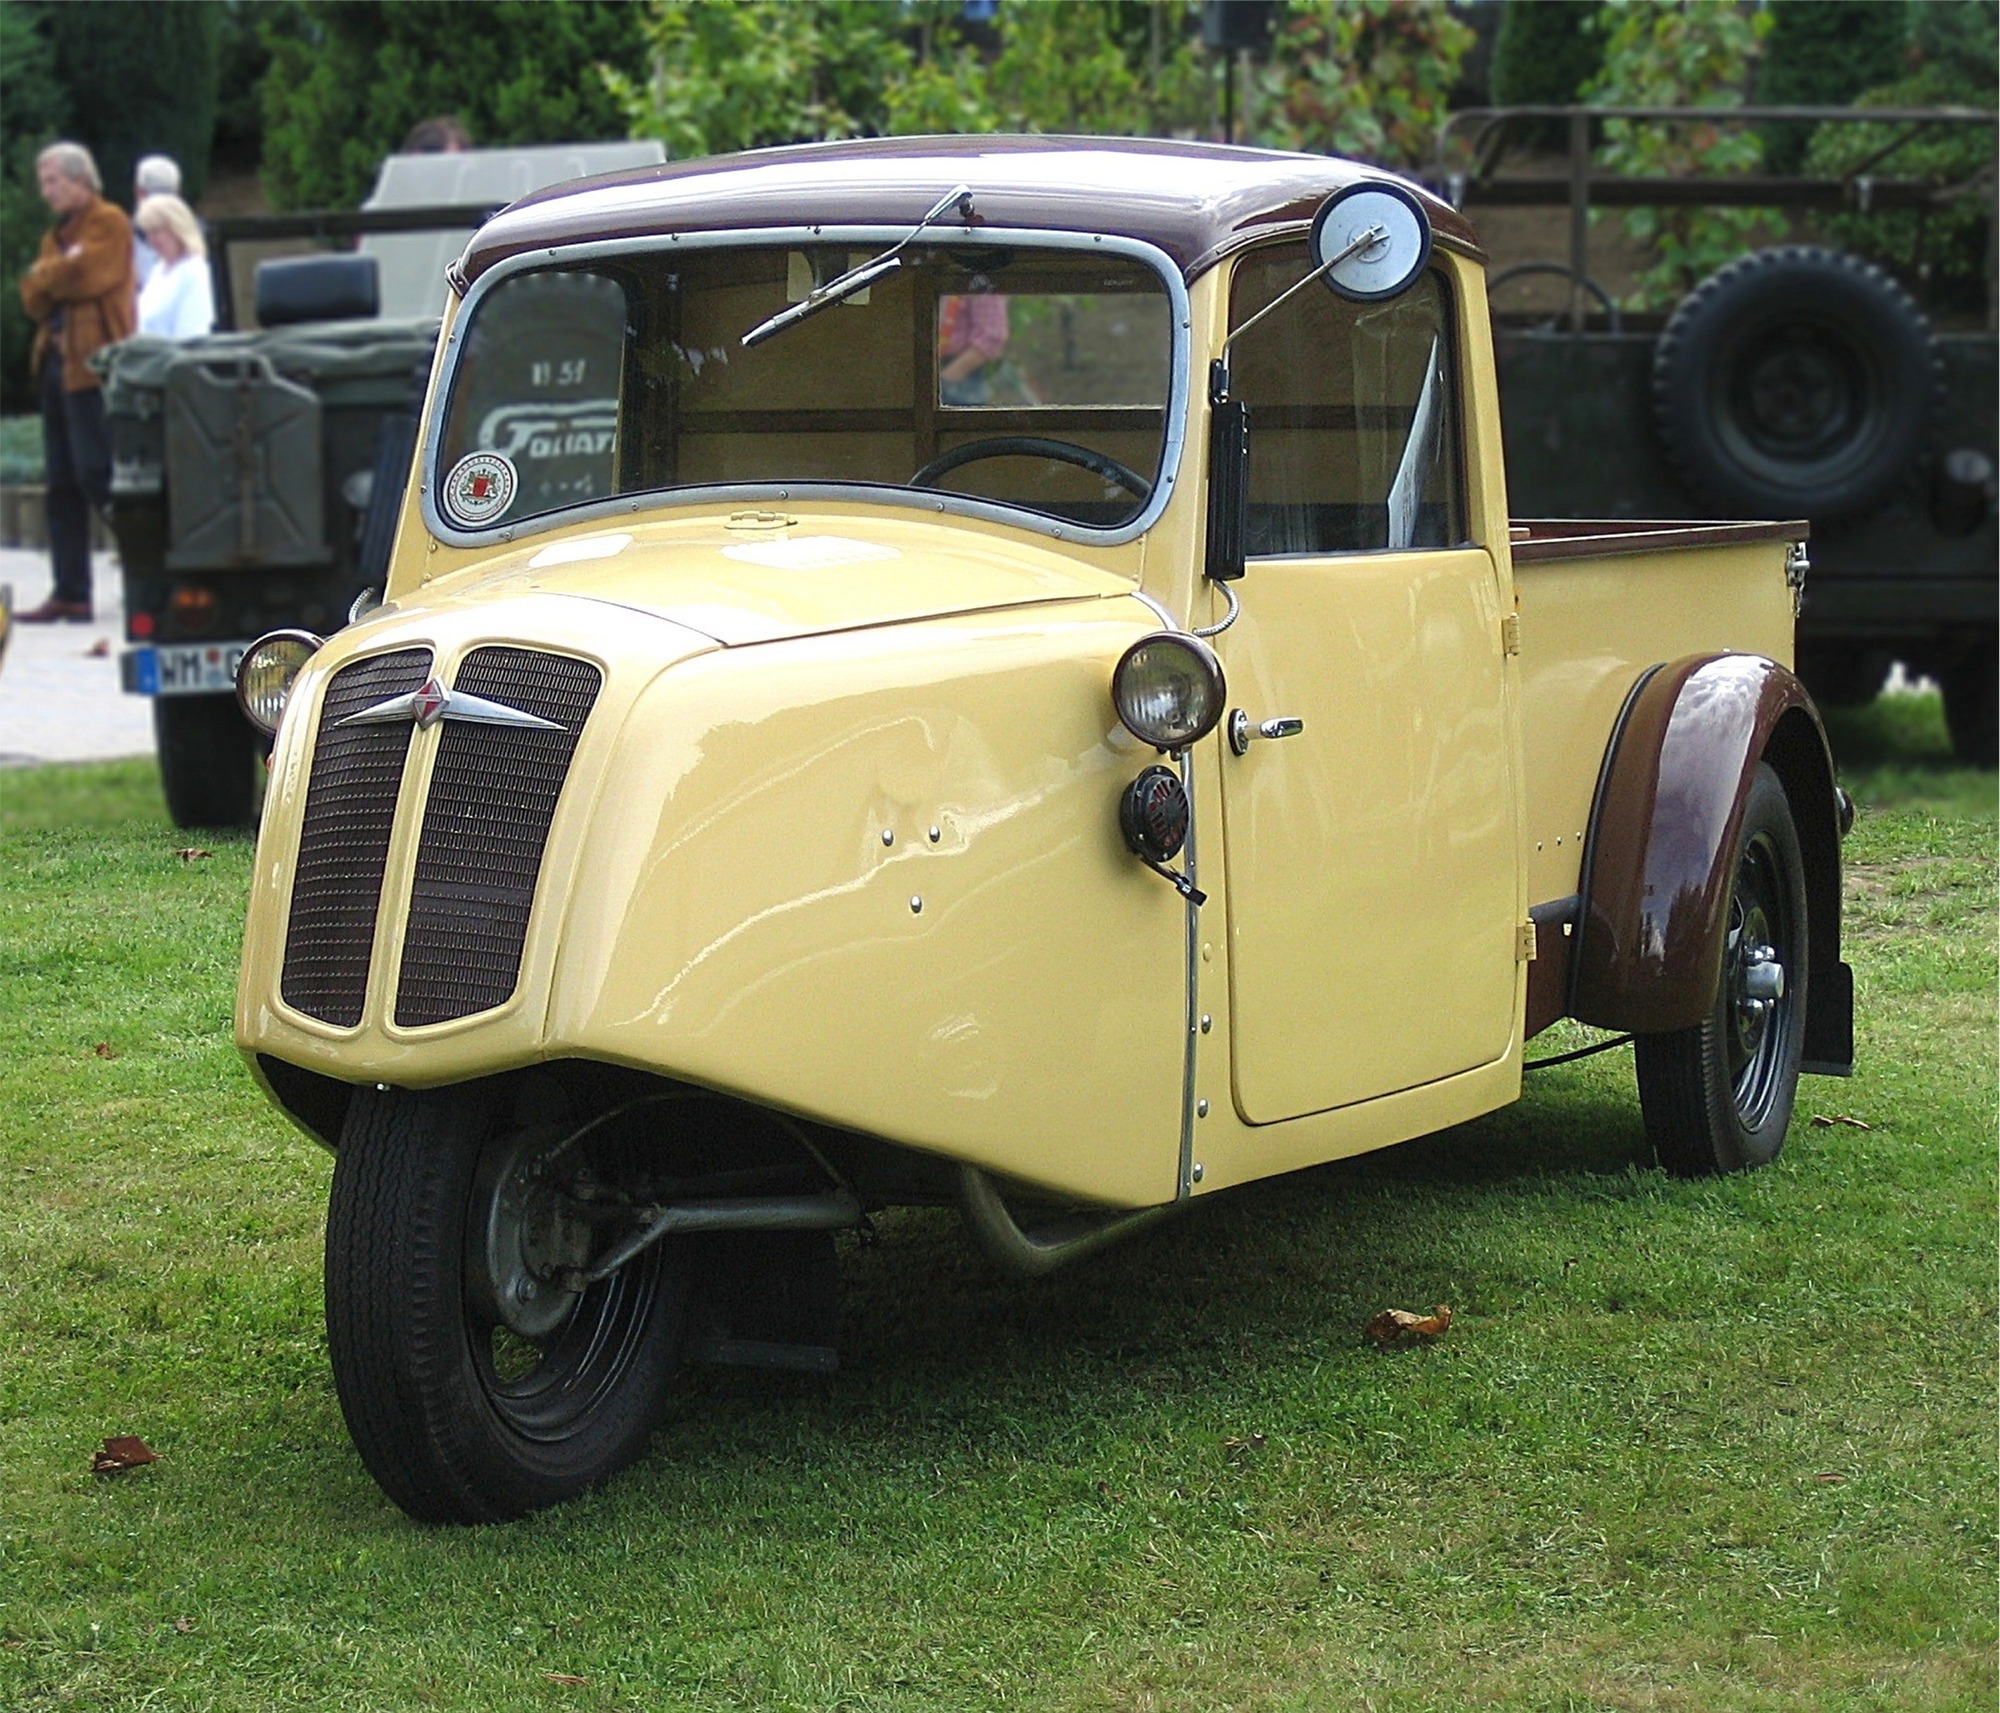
(348, 78)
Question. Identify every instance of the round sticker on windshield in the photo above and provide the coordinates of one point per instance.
(480, 487)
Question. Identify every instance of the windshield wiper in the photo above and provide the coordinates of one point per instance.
(855, 279)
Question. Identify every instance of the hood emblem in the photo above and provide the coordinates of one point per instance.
(431, 702)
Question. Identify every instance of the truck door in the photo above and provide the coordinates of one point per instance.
(1371, 854)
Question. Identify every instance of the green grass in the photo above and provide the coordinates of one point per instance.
(1721, 1445)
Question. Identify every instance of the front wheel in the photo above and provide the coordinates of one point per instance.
(1718, 1097)
(477, 1386)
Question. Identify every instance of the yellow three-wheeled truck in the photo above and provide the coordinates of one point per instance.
(983, 671)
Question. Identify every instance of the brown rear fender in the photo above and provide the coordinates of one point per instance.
(1662, 848)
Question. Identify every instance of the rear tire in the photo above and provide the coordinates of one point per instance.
(1972, 704)
(1718, 1097)
(460, 1416)
(208, 758)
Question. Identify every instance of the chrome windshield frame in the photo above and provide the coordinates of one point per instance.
(928, 500)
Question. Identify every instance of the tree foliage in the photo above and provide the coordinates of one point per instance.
(736, 74)
(1679, 53)
(1951, 60)
(1543, 54)
(33, 110)
(1821, 55)
(1367, 78)
(140, 79)
(348, 78)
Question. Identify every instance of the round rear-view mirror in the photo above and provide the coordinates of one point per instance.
(1371, 241)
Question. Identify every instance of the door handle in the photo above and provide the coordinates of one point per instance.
(1243, 731)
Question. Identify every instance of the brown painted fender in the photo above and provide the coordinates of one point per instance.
(1662, 848)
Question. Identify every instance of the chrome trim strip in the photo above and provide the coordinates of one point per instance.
(919, 499)
(1184, 1183)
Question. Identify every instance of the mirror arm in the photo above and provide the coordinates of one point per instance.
(1365, 239)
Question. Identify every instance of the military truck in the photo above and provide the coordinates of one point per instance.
(256, 472)
(1797, 381)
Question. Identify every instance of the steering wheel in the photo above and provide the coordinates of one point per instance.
(1033, 446)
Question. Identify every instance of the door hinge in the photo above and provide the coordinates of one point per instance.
(1510, 634)
(1524, 943)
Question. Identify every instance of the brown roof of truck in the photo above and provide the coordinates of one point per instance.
(1195, 201)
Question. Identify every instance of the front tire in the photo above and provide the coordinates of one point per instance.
(474, 1388)
(1718, 1097)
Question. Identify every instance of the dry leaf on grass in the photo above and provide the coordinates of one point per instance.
(183, 1625)
(1822, 1122)
(1391, 1324)
(98, 650)
(122, 1451)
(1827, 1478)
(193, 853)
(1250, 1442)
(104, 1050)
(565, 1677)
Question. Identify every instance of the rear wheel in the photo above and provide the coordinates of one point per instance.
(1972, 704)
(1718, 1097)
(208, 760)
(477, 1384)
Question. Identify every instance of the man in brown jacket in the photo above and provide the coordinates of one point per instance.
(80, 295)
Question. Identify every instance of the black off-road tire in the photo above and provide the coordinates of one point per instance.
(1718, 1097)
(1796, 382)
(209, 755)
(447, 1437)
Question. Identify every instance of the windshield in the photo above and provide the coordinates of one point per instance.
(1031, 377)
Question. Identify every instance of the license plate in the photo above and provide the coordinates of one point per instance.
(181, 669)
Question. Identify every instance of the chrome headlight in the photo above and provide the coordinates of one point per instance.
(1168, 689)
(264, 675)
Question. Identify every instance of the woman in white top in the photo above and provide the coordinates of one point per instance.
(176, 301)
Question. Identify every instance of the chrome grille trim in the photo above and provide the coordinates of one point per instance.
(350, 815)
(492, 800)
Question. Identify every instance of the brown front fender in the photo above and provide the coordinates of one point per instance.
(1662, 848)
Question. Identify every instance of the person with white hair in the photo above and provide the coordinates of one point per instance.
(155, 175)
(79, 295)
(177, 302)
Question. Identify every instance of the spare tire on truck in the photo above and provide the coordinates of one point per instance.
(1797, 382)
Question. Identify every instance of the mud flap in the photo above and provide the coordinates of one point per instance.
(1829, 1043)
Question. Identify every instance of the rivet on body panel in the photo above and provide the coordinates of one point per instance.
(1208, 954)
(916, 906)
(1207, 1022)
(1198, 1171)
(888, 835)
(1201, 1109)
(935, 835)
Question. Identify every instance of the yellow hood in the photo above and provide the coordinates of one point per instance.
(742, 582)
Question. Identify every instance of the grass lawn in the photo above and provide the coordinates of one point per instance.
(1718, 1445)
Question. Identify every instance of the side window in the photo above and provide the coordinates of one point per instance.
(1354, 422)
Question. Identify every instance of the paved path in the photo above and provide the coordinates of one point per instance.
(59, 700)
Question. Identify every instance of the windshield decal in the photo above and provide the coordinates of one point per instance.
(480, 487)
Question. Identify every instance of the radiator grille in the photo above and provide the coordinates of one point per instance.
(344, 844)
(492, 798)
